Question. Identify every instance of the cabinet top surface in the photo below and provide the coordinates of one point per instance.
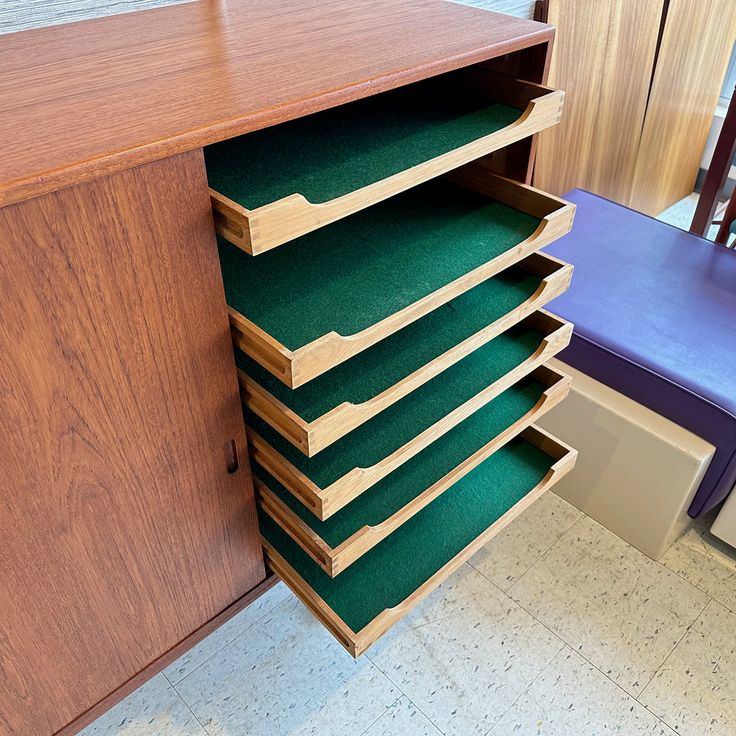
(86, 99)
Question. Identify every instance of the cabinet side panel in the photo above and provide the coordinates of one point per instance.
(563, 152)
(693, 56)
(122, 531)
(603, 59)
(627, 75)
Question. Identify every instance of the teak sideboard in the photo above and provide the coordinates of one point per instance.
(129, 522)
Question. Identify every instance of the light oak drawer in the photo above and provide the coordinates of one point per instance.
(337, 543)
(315, 415)
(273, 185)
(309, 306)
(363, 602)
(333, 478)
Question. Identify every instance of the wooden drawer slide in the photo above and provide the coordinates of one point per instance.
(343, 471)
(324, 410)
(370, 596)
(309, 306)
(276, 184)
(338, 542)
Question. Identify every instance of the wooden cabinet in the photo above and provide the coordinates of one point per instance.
(123, 528)
(128, 515)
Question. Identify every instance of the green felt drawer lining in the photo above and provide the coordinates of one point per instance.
(332, 153)
(375, 370)
(391, 571)
(354, 273)
(397, 489)
(400, 423)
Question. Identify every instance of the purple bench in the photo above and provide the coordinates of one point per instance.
(654, 310)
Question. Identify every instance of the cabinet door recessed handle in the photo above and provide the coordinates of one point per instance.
(233, 463)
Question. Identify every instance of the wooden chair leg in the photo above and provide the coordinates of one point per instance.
(728, 217)
(717, 174)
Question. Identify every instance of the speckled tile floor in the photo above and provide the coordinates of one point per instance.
(557, 627)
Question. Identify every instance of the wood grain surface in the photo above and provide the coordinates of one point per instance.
(691, 64)
(603, 58)
(122, 531)
(99, 96)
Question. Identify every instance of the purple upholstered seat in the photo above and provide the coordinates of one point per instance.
(654, 309)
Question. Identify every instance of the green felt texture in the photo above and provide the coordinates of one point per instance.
(396, 426)
(393, 569)
(414, 477)
(350, 275)
(331, 153)
(375, 370)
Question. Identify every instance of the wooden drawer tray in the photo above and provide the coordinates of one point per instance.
(304, 308)
(370, 596)
(343, 471)
(273, 185)
(347, 535)
(319, 413)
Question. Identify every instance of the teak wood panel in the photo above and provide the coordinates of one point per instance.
(263, 228)
(333, 560)
(311, 437)
(296, 367)
(324, 502)
(90, 98)
(603, 57)
(356, 642)
(693, 55)
(122, 530)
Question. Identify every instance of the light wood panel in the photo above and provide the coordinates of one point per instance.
(356, 642)
(603, 59)
(622, 104)
(694, 53)
(123, 530)
(90, 98)
(577, 61)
